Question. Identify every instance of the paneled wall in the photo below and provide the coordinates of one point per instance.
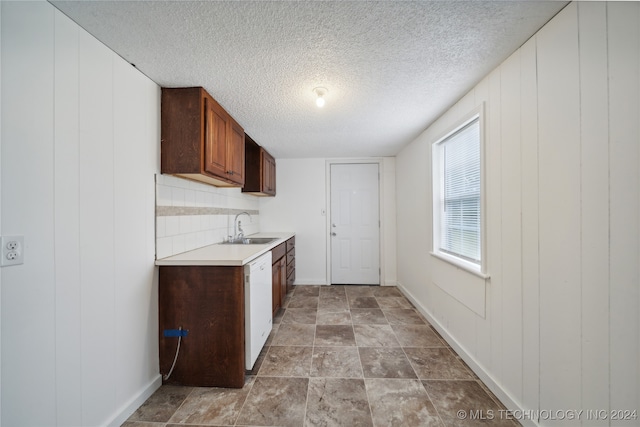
(79, 151)
(561, 328)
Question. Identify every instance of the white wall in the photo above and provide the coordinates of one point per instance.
(301, 186)
(561, 328)
(79, 151)
(300, 197)
(388, 217)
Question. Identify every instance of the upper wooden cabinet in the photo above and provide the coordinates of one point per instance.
(260, 169)
(200, 140)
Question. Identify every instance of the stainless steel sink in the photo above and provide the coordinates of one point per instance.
(250, 241)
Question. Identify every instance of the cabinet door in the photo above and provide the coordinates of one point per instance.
(291, 263)
(268, 173)
(209, 302)
(215, 138)
(235, 152)
(283, 280)
(276, 286)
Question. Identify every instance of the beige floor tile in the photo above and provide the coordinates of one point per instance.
(334, 290)
(303, 302)
(336, 402)
(400, 403)
(437, 363)
(403, 316)
(300, 315)
(454, 397)
(362, 302)
(368, 316)
(143, 424)
(387, 291)
(363, 291)
(417, 336)
(275, 401)
(332, 303)
(385, 362)
(289, 361)
(334, 317)
(306, 290)
(375, 336)
(339, 362)
(294, 334)
(393, 302)
(210, 405)
(162, 404)
(334, 335)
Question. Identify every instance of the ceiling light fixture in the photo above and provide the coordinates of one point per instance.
(320, 93)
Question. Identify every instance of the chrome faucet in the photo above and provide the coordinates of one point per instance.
(238, 233)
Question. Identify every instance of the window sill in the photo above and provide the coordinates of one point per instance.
(460, 264)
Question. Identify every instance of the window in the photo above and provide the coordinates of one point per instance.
(457, 196)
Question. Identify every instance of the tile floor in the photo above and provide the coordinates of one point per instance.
(339, 356)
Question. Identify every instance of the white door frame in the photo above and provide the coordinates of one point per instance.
(359, 160)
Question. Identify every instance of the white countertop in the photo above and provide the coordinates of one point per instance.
(227, 254)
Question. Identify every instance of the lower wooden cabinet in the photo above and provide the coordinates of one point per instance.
(208, 303)
(279, 284)
(291, 263)
(278, 271)
(283, 270)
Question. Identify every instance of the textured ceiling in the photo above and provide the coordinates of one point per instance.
(391, 67)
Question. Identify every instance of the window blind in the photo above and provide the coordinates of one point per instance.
(460, 233)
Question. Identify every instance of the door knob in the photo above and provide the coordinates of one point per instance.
(333, 234)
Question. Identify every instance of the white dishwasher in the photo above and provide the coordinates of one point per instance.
(257, 307)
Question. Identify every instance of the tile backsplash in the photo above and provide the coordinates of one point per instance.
(190, 215)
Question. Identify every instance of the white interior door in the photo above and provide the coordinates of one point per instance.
(355, 224)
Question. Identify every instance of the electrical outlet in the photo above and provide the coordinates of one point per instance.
(12, 250)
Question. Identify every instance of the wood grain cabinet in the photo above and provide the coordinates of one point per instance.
(279, 276)
(291, 263)
(260, 170)
(200, 140)
(284, 272)
(208, 303)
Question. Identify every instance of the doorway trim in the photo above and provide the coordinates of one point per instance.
(359, 160)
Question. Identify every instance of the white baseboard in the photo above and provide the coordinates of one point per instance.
(301, 282)
(484, 376)
(135, 402)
